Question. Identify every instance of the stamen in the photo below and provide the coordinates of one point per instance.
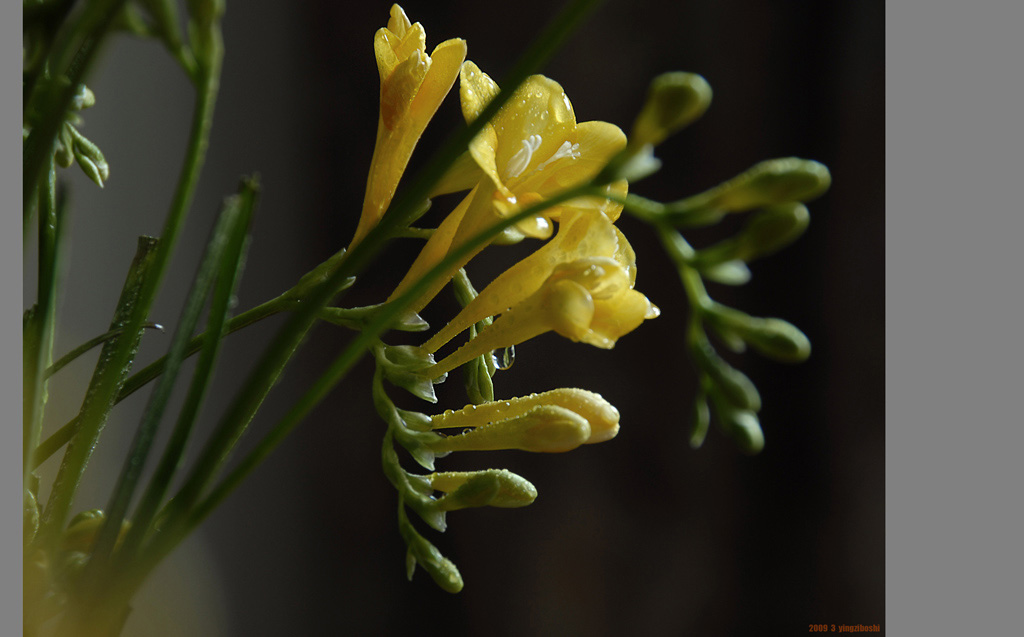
(565, 150)
(518, 162)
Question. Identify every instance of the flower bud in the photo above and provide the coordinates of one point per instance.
(440, 568)
(674, 100)
(89, 157)
(602, 416)
(83, 528)
(769, 182)
(776, 227)
(734, 384)
(492, 487)
(543, 429)
(740, 424)
(772, 337)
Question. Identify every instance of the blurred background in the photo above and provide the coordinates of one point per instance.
(641, 535)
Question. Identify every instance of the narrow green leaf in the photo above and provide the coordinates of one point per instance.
(115, 361)
(229, 273)
(229, 231)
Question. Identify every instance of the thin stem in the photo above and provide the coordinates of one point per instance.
(68, 358)
(94, 414)
(139, 380)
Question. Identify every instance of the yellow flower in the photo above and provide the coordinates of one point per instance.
(579, 236)
(412, 85)
(589, 299)
(553, 421)
(531, 150)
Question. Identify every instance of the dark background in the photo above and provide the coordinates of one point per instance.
(641, 535)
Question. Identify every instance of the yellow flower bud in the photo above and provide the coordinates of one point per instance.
(544, 429)
(601, 416)
(492, 487)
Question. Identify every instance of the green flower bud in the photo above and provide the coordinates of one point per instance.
(738, 423)
(64, 155)
(732, 272)
(769, 231)
(89, 157)
(674, 100)
(84, 98)
(772, 337)
(492, 487)
(770, 182)
(422, 552)
(734, 384)
(402, 366)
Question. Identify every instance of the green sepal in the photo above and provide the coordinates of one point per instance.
(403, 365)
(317, 276)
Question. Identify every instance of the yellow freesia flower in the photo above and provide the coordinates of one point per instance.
(412, 85)
(590, 300)
(579, 236)
(531, 150)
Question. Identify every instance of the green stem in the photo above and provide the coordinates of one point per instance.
(139, 380)
(94, 414)
(68, 358)
(111, 369)
(39, 350)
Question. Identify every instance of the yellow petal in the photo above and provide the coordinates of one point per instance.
(532, 127)
(446, 60)
(399, 89)
(476, 90)
(617, 317)
(398, 23)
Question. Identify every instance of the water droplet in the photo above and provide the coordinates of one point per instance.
(508, 356)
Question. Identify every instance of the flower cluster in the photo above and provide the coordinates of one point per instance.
(532, 172)
(578, 283)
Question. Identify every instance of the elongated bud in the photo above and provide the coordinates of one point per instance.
(769, 182)
(441, 569)
(773, 337)
(740, 424)
(492, 487)
(544, 429)
(601, 415)
(89, 157)
(734, 384)
(674, 100)
(776, 227)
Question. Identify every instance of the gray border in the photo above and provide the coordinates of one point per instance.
(953, 343)
(10, 341)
